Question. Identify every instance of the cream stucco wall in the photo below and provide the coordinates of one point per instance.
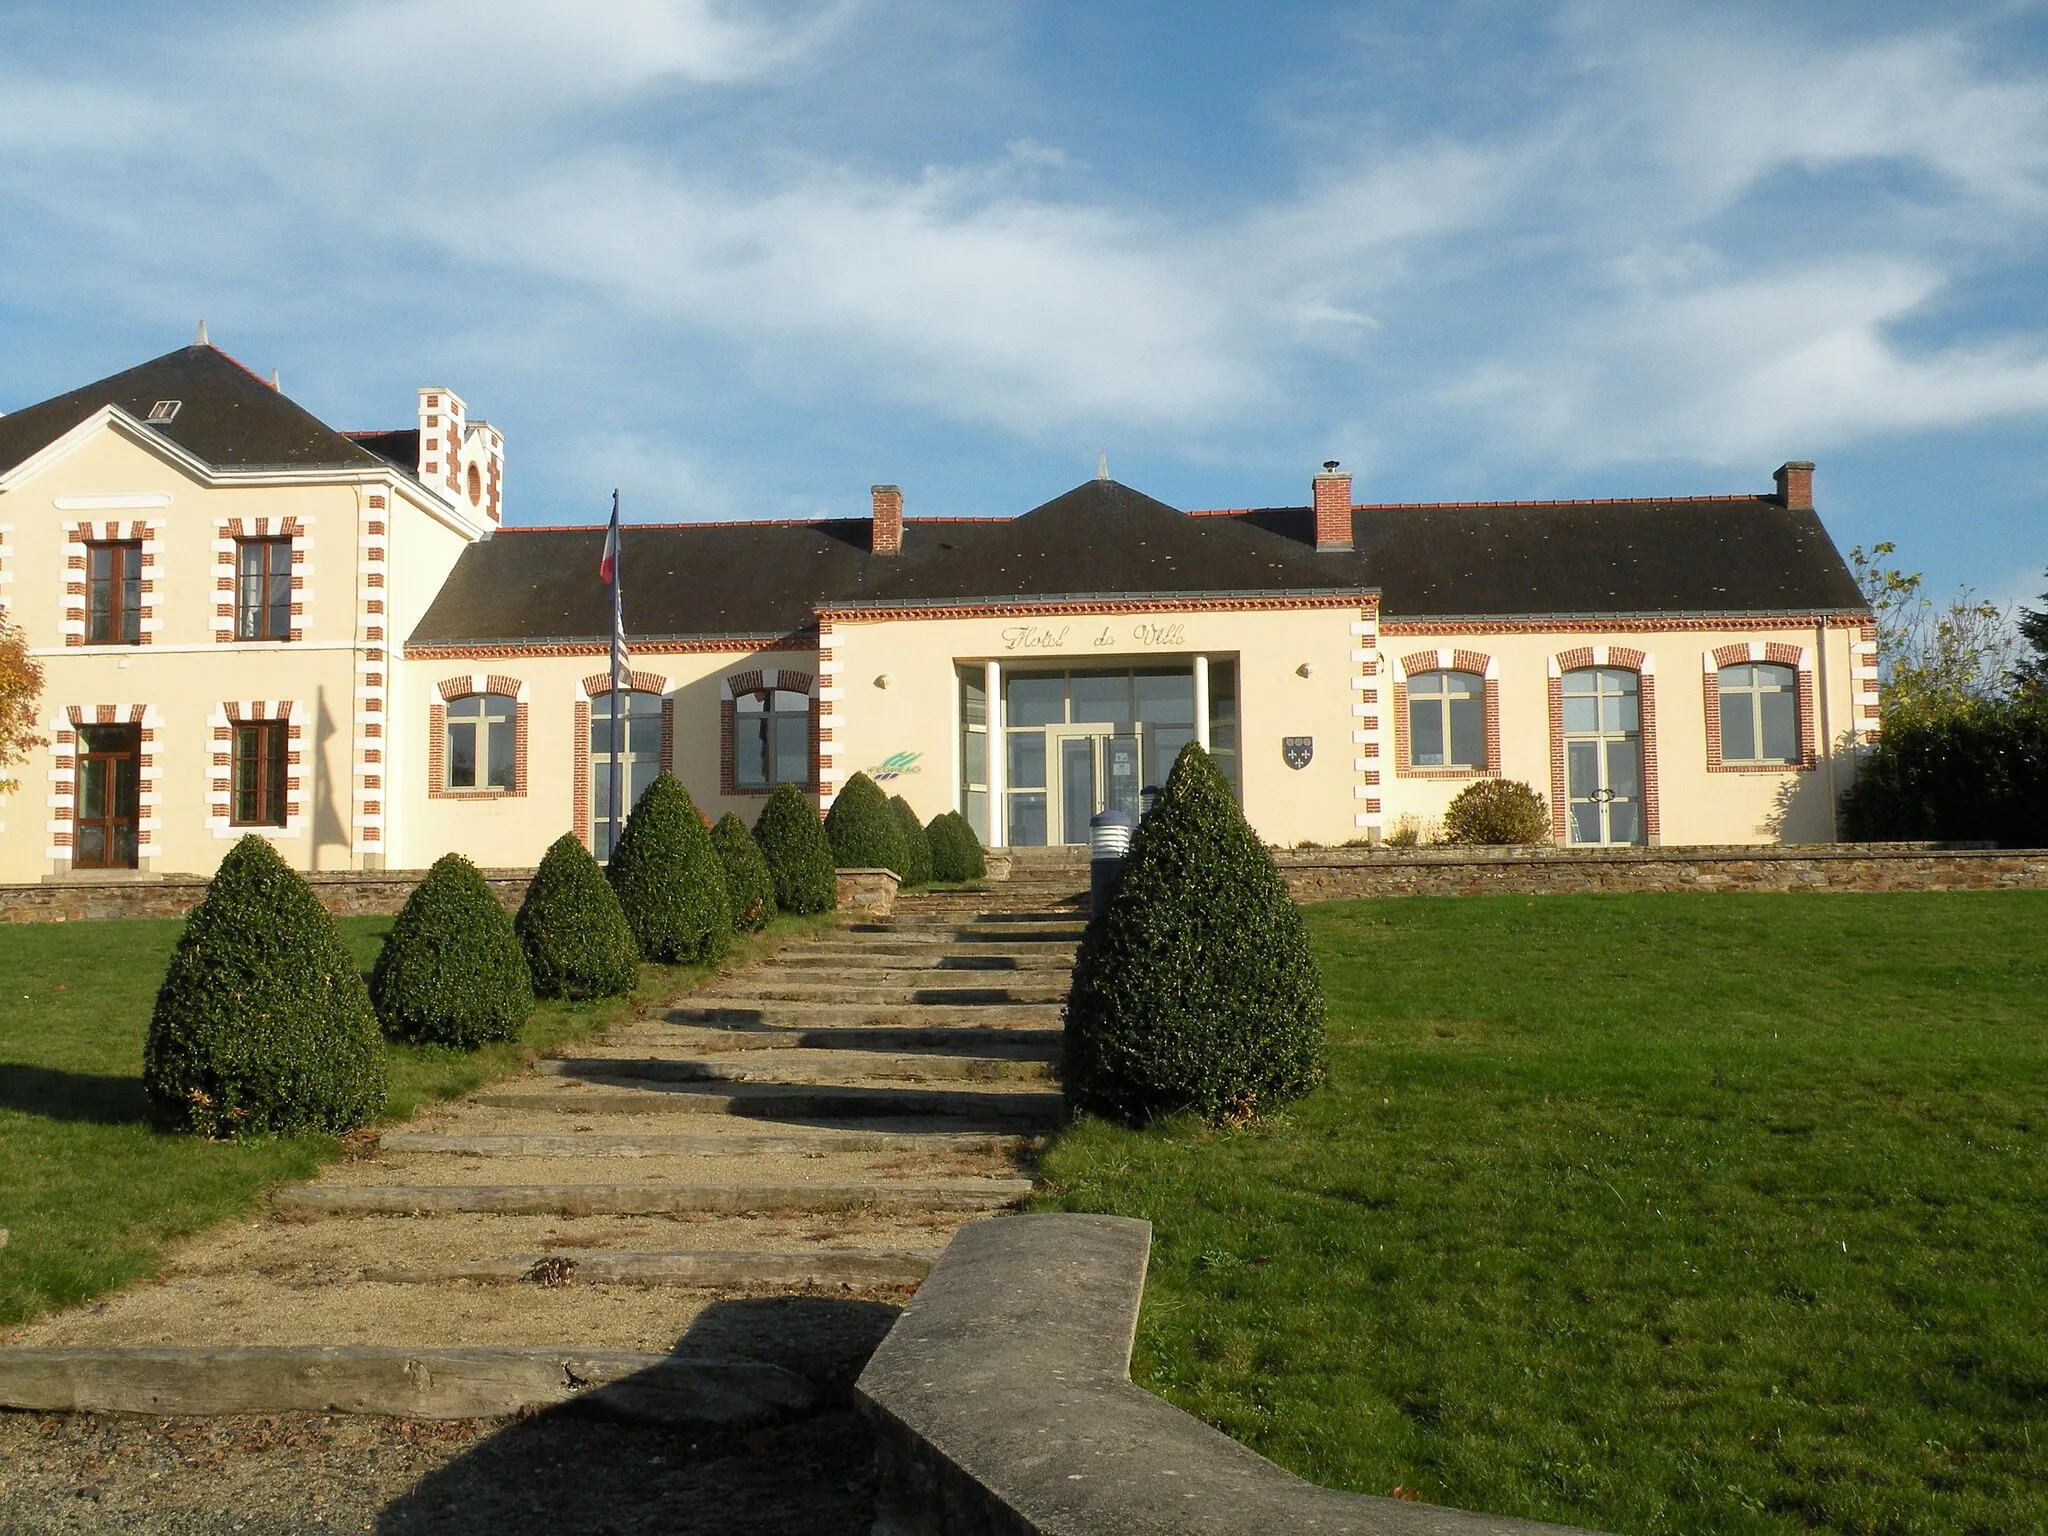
(180, 684)
(918, 710)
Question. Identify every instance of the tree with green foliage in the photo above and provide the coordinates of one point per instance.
(1972, 772)
(2033, 666)
(1497, 813)
(669, 879)
(263, 1025)
(956, 851)
(452, 972)
(1933, 658)
(576, 938)
(799, 854)
(748, 884)
(1194, 988)
(863, 831)
(917, 847)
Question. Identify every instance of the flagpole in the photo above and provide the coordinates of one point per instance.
(618, 669)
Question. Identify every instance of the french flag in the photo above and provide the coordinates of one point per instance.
(608, 562)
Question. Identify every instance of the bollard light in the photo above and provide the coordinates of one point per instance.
(1109, 840)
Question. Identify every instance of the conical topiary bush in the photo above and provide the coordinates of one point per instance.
(956, 851)
(799, 855)
(748, 884)
(452, 971)
(917, 848)
(669, 879)
(863, 831)
(576, 940)
(1194, 988)
(262, 1025)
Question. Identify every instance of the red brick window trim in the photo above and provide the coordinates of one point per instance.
(502, 700)
(763, 683)
(1623, 658)
(1477, 664)
(1800, 661)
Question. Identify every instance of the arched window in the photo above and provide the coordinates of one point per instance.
(1603, 756)
(481, 748)
(1447, 720)
(1759, 713)
(771, 739)
(639, 760)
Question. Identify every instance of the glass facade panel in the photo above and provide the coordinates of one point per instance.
(1027, 760)
(1035, 699)
(1166, 698)
(1027, 820)
(1099, 698)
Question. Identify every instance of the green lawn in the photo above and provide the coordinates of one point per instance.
(1655, 1213)
(88, 1191)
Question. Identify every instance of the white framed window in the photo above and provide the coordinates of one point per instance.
(1759, 713)
(1447, 720)
(482, 743)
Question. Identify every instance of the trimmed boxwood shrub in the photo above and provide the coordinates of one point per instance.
(669, 879)
(575, 936)
(263, 1024)
(917, 848)
(1194, 988)
(799, 854)
(956, 851)
(863, 831)
(452, 972)
(1497, 812)
(748, 884)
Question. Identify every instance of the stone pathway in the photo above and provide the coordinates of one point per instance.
(759, 1172)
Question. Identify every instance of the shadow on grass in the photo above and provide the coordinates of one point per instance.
(93, 1098)
(571, 1470)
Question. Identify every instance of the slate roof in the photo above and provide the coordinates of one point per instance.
(229, 418)
(1732, 555)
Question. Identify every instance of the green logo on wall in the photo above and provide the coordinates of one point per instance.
(895, 765)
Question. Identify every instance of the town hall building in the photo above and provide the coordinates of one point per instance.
(252, 622)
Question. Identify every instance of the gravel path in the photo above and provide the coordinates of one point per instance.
(555, 1474)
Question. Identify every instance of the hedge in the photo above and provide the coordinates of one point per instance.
(748, 883)
(917, 848)
(1974, 773)
(576, 938)
(956, 851)
(669, 879)
(1194, 988)
(863, 831)
(451, 971)
(799, 855)
(263, 1024)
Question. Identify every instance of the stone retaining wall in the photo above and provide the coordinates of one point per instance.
(365, 893)
(1332, 874)
(1342, 873)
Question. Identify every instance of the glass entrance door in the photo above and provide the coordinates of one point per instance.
(639, 761)
(1099, 770)
(1603, 756)
(103, 829)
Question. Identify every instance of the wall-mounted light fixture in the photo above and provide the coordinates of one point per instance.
(1306, 669)
(884, 680)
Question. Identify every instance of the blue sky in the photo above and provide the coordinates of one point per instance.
(746, 259)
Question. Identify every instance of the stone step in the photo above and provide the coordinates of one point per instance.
(1040, 1044)
(919, 955)
(796, 1015)
(811, 988)
(714, 1268)
(661, 1144)
(648, 1199)
(804, 1067)
(1012, 1111)
(405, 1383)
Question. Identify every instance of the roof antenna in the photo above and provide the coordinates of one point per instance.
(200, 340)
(274, 384)
(1102, 466)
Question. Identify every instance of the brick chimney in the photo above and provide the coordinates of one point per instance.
(887, 537)
(1795, 485)
(1333, 509)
